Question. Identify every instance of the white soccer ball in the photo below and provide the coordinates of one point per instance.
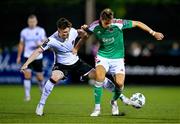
(138, 100)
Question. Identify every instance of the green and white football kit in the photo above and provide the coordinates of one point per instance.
(110, 55)
(111, 49)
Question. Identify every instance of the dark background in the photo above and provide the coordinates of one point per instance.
(160, 16)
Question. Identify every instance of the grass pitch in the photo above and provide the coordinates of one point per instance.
(73, 104)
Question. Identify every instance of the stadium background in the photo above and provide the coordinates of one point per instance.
(150, 64)
(146, 59)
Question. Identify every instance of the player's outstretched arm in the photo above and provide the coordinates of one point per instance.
(157, 35)
(33, 56)
(84, 36)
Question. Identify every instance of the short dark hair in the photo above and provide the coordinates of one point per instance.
(32, 16)
(106, 14)
(63, 23)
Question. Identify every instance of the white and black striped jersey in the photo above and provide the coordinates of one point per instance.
(62, 48)
(32, 38)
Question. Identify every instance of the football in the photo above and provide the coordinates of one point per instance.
(138, 100)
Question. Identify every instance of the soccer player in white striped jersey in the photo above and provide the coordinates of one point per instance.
(62, 43)
(31, 38)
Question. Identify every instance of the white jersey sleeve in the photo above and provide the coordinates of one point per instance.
(47, 44)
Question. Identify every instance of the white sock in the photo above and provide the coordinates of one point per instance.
(98, 84)
(97, 107)
(123, 97)
(108, 84)
(27, 87)
(41, 85)
(46, 91)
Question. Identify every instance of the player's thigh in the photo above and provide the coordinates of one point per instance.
(101, 61)
(57, 75)
(117, 66)
(100, 73)
(27, 74)
(102, 67)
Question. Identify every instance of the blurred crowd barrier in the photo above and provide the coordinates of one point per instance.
(10, 70)
(145, 63)
(156, 48)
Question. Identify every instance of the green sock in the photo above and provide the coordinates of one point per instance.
(117, 93)
(97, 94)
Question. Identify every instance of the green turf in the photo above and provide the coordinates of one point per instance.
(73, 104)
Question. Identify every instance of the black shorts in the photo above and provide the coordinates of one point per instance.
(80, 67)
(36, 65)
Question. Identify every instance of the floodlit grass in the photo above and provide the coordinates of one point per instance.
(74, 103)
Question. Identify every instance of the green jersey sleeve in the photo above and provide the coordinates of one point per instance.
(127, 24)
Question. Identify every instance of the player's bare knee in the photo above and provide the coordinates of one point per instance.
(120, 84)
(40, 76)
(27, 75)
(100, 78)
(57, 75)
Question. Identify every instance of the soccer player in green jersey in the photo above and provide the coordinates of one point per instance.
(110, 56)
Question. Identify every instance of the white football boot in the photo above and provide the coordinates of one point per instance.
(128, 101)
(39, 109)
(95, 113)
(125, 100)
(27, 98)
(115, 109)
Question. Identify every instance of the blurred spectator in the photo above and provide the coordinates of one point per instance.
(135, 49)
(175, 50)
(148, 50)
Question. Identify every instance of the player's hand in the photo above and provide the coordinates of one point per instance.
(158, 36)
(18, 60)
(74, 51)
(82, 33)
(84, 26)
(23, 68)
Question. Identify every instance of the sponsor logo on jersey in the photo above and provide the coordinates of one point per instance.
(99, 32)
(109, 40)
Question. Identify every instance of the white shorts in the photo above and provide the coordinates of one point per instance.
(112, 66)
